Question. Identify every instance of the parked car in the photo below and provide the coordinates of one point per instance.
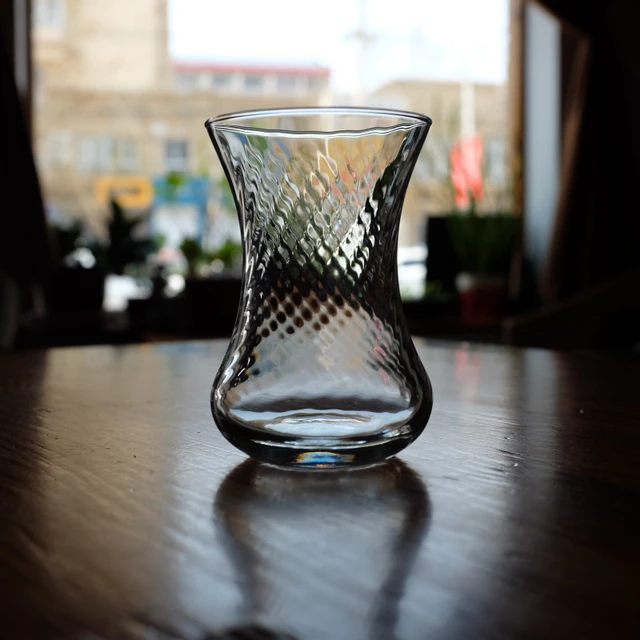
(412, 271)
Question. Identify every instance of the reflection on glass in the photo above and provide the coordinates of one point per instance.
(302, 540)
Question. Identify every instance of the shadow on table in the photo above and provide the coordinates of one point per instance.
(313, 510)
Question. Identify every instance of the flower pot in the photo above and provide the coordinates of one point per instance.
(482, 297)
(212, 305)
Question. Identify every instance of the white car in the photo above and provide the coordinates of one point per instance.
(412, 271)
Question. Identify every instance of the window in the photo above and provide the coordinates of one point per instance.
(441, 166)
(49, 13)
(437, 162)
(188, 81)
(96, 154)
(59, 149)
(221, 80)
(176, 155)
(496, 161)
(253, 82)
(286, 83)
(126, 157)
(315, 82)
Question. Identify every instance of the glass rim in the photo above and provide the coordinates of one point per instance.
(239, 118)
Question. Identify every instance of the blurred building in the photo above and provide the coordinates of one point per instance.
(457, 110)
(114, 112)
(243, 80)
(98, 46)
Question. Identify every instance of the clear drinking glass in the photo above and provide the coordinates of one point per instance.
(321, 370)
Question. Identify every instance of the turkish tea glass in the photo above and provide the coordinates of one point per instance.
(321, 370)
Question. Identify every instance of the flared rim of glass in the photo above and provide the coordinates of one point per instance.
(246, 119)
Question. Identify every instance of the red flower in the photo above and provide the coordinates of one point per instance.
(466, 171)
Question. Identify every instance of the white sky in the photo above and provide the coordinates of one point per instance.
(430, 39)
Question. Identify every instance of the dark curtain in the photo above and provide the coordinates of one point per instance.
(597, 229)
(24, 246)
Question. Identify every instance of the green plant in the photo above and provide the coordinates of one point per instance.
(193, 254)
(172, 183)
(229, 253)
(226, 195)
(483, 243)
(159, 240)
(123, 247)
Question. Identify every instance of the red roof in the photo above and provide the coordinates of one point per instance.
(257, 69)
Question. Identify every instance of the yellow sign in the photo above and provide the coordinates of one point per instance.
(131, 192)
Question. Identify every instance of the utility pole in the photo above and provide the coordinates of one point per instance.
(364, 39)
(467, 110)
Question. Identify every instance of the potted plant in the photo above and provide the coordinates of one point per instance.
(212, 289)
(194, 256)
(483, 245)
(125, 246)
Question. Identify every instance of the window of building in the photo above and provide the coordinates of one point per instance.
(49, 13)
(126, 155)
(437, 161)
(96, 154)
(286, 82)
(188, 81)
(176, 155)
(315, 82)
(253, 82)
(59, 149)
(496, 163)
(221, 80)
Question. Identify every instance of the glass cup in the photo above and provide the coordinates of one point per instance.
(321, 370)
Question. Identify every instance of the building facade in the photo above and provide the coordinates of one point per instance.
(113, 112)
(458, 110)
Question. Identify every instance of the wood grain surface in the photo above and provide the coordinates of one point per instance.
(125, 514)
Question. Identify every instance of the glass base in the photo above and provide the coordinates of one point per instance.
(315, 452)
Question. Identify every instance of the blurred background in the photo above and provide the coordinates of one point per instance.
(520, 224)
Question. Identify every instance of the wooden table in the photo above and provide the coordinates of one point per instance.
(125, 514)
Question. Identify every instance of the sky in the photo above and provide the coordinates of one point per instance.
(462, 40)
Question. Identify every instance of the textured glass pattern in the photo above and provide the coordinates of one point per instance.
(320, 369)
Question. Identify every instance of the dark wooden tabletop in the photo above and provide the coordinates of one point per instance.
(125, 514)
